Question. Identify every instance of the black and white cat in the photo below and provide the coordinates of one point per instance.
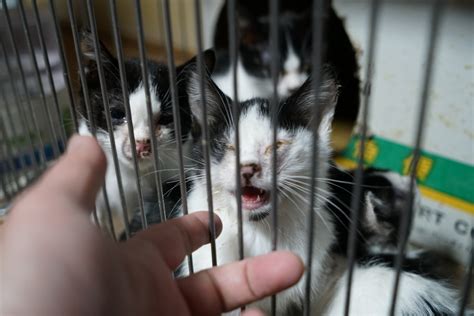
(372, 282)
(294, 30)
(163, 129)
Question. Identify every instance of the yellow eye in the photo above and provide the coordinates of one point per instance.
(230, 147)
(279, 144)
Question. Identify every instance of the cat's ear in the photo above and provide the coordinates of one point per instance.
(305, 104)
(215, 99)
(208, 58)
(109, 62)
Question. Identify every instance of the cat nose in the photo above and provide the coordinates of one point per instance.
(143, 147)
(249, 170)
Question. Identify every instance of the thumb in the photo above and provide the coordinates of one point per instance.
(75, 178)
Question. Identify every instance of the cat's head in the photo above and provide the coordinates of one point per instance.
(294, 143)
(160, 100)
(294, 26)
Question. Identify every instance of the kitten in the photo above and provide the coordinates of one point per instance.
(162, 116)
(294, 164)
(294, 30)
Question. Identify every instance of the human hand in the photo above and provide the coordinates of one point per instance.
(55, 261)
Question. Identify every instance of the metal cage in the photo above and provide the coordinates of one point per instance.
(39, 101)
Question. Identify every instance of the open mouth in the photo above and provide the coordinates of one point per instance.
(254, 198)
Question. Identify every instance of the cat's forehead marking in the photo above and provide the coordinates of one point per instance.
(292, 62)
(138, 104)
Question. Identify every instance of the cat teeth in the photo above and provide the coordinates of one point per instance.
(260, 191)
(258, 198)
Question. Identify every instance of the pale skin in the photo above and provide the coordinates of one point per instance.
(55, 261)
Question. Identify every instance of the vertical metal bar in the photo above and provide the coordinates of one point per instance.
(467, 282)
(21, 112)
(126, 100)
(3, 181)
(65, 66)
(176, 113)
(274, 6)
(146, 84)
(6, 165)
(233, 55)
(357, 192)
(62, 134)
(42, 155)
(85, 90)
(406, 218)
(105, 100)
(10, 157)
(184, 27)
(205, 139)
(22, 161)
(319, 14)
(52, 131)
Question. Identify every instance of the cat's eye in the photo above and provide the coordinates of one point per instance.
(117, 114)
(230, 147)
(279, 144)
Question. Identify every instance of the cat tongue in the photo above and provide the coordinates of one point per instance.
(253, 198)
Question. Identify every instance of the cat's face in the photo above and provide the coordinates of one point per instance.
(160, 99)
(294, 47)
(294, 150)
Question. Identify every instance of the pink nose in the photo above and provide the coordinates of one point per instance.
(143, 147)
(249, 170)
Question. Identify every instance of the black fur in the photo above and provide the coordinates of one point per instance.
(159, 75)
(294, 20)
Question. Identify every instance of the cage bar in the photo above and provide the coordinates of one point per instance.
(85, 91)
(105, 100)
(65, 66)
(274, 6)
(126, 101)
(52, 131)
(59, 119)
(42, 155)
(176, 113)
(21, 112)
(356, 199)
(467, 283)
(319, 13)
(233, 56)
(205, 140)
(8, 150)
(406, 218)
(22, 162)
(146, 82)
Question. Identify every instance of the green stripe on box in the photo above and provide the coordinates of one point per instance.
(442, 174)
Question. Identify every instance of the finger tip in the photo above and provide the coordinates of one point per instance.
(88, 148)
(290, 263)
(204, 217)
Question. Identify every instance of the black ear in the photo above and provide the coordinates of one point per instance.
(109, 62)
(303, 103)
(216, 101)
(208, 57)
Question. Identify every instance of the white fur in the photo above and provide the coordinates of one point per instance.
(250, 87)
(372, 290)
(294, 160)
(167, 155)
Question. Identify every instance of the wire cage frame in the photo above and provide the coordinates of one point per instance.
(35, 124)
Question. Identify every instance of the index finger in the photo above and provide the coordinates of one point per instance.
(224, 288)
